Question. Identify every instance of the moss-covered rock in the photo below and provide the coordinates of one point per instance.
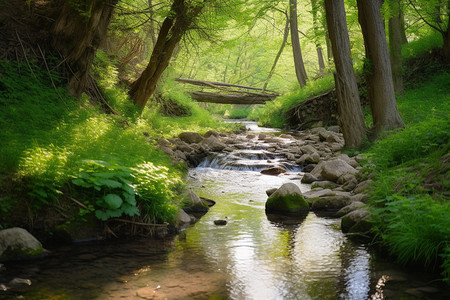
(287, 199)
(17, 243)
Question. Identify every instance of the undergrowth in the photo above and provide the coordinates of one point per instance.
(409, 195)
(60, 148)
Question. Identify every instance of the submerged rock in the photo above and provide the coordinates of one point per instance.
(357, 221)
(220, 222)
(195, 204)
(287, 199)
(17, 243)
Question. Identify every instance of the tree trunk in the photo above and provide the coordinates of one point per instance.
(402, 26)
(297, 51)
(172, 30)
(315, 8)
(350, 114)
(395, 45)
(277, 57)
(77, 34)
(380, 86)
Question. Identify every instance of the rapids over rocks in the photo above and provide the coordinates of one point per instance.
(250, 257)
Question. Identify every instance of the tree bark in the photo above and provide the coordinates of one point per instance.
(77, 34)
(315, 8)
(297, 51)
(351, 118)
(380, 86)
(395, 45)
(172, 30)
(277, 57)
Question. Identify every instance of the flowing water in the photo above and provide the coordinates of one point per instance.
(251, 257)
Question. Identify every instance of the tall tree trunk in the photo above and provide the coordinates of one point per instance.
(315, 8)
(172, 30)
(77, 34)
(402, 26)
(380, 86)
(395, 45)
(351, 117)
(297, 51)
(280, 51)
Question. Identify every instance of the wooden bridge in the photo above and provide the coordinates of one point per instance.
(230, 93)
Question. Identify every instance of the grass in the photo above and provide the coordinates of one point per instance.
(54, 141)
(410, 186)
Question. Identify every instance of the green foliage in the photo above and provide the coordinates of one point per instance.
(110, 186)
(414, 142)
(155, 187)
(416, 229)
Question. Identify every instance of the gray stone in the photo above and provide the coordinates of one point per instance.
(213, 144)
(325, 184)
(270, 191)
(357, 221)
(220, 222)
(211, 133)
(287, 199)
(182, 219)
(335, 202)
(349, 208)
(18, 243)
(190, 137)
(308, 149)
(194, 203)
(362, 186)
(334, 169)
(308, 178)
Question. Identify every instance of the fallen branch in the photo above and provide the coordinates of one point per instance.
(78, 202)
(139, 223)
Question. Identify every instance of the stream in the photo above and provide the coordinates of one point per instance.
(250, 257)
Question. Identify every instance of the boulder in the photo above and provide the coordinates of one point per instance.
(270, 191)
(334, 169)
(357, 221)
(194, 204)
(362, 186)
(211, 133)
(308, 149)
(308, 178)
(190, 137)
(17, 243)
(349, 208)
(309, 168)
(334, 203)
(273, 171)
(213, 144)
(326, 184)
(182, 219)
(287, 199)
(317, 171)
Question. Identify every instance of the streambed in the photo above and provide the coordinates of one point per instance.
(248, 258)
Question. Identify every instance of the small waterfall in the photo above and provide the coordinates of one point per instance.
(247, 160)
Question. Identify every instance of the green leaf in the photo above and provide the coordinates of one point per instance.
(81, 182)
(130, 210)
(113, 184)
(129, 198)
(100, 214)
(113, 201)
(128, 189)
